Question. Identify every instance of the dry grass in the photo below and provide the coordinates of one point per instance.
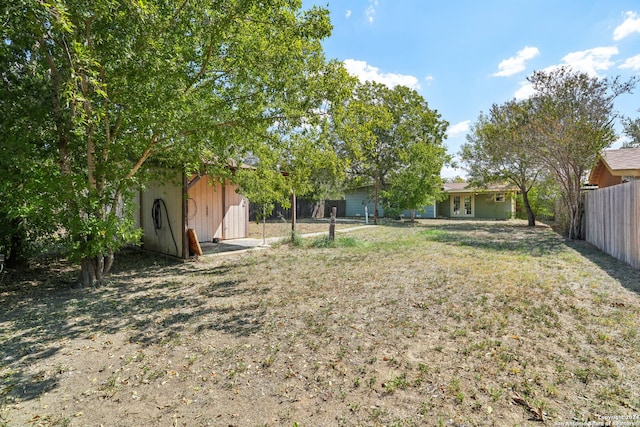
(436, 323)
(283, 228)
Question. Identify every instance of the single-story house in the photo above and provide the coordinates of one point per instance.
(464, 201)
(616, 167)
(357, 200)
(172, 205)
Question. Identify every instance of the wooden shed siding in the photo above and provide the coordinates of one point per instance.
(162, 240)
(205, 209)
(612, 221)
(236, 213)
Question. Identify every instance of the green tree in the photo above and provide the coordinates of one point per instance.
(501, 148)
(129, 83)
(574, 116)
(395, 141)
(632, 131)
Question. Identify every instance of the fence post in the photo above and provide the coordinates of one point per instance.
(332, 224)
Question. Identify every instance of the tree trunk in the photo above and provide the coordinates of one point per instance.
(575, 221)
(94, 270)
(531, 218)
(375, 201)
(17, 256)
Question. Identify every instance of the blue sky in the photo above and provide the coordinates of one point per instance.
(463, 56)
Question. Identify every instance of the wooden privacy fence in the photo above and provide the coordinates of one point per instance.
(612, 221)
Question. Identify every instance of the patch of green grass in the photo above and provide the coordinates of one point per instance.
(337, 242)
(396, 383)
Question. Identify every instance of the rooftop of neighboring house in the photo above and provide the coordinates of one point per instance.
(465, 187)
(622, 159)
(621, 162)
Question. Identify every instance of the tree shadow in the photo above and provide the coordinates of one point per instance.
(618, 270)
(149, 297)
(495, 236)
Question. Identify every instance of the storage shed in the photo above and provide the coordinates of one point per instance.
(175, 203)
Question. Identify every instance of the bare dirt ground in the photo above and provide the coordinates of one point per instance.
(435, 323)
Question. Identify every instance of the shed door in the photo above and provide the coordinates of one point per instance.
(236, 215)
(204, 209)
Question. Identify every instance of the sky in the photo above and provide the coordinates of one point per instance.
(463, 56)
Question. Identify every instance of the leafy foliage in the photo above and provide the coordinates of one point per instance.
(574, 123)
(121, 84)
(392, 138)
(501, 148)
(632, 131)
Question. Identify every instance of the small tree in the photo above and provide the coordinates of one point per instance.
(264, 186)
(417, 183)
(574, 116)
(632, 131)
(501, 147)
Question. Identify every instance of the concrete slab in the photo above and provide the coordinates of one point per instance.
(239, 245)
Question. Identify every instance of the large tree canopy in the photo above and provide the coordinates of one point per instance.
(109, 86)
(395, 141)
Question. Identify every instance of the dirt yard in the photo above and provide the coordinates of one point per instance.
(445, 323)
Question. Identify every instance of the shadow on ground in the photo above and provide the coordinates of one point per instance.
(618, 270)
(495, 236)
(41, 310)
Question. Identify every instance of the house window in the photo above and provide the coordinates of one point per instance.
(499, 197)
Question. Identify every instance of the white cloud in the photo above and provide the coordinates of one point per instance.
(428, 79)
(526, 91)
(515, 64)
(632, 63)
(449, 172)
(629, 26)
(347, 14)
(591, 61)
(366, 72)
(588, 61)
(370, 12)
(459, 129)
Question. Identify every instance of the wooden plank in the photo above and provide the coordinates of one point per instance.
(194, 244)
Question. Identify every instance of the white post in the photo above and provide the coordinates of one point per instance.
(366, 215)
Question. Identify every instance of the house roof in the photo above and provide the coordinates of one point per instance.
(619, 162)
(622, 159)
(465, 187)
